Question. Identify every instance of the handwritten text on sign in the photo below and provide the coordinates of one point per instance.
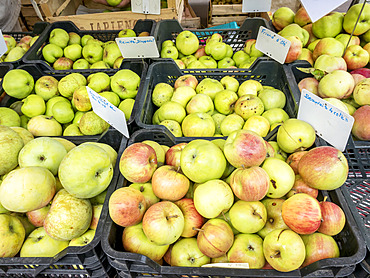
(272, 44)
(138, 47)
(146, 6)
(108, 112)
(3, 46)
(329, 122)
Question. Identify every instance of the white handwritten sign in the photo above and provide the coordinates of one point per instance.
(138, 47)
(108, 112)
(146, 6)
(272, 44)
(3, 46)
(255, 6)
(330, 123)
(316, 9)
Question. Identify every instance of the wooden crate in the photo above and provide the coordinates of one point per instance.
(222, 14)
(60, 10)
(28, 14)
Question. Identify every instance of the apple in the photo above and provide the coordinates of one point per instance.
(302, 213)
(12, 235)
(361, 92)
(96, 212)
(345, 39)
(138, 163)
(9, 117)
(282, 17)
(356, 57)
(280, 154)
(361, 126)
(171, 110)
(319, 246)
(281, 177)
(301, 187)
(186, 80)
(18, 83)
(69, 83)
(293, 160)
(226, 62)
(250, 184)
(272, 98)
(218, 118)
(245, 148)
(59, 37)
(295, 49)
(330, 63)
(134, 240)
(74, 38)
(301, 17)
(328, 46)
(163, 223)
(185, 252)
(250, 87)
(333, 218)
(212, 198)
(328, 26)
(230, 83)
(127, 206)
(174, 153)
(231, 123)
(224, 101)
(183, 95)
(92, 52)
(187, 60)
(147, 191)
(323, 168)
(169, 184)
(193, 220)
(247, 248)
(357, 77)
(187, 42)
(215, 238)
(43, 125)
(198, 125)
(310, 84)
(83, 240)
(200, 52)
(27, 189)
(52, 52)
(200, 103)
(81, 64)
(23, 133)
(248, 105)
(275, 115)
(295, 30)
(209, 87)
(162, 93)
(284, 250)
(307, 55)
(357, 12)
(46, 87)
(126, 33)
(274, 219)
(201, 161)
(294, 135)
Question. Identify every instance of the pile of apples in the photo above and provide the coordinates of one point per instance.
(341, 75)
(188, 53)
(217, 108)
(16, 50)
(52, 192)
(49, 107)
(230, 201)
(71, 51)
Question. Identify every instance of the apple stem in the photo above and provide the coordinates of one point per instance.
(197, 229)
(326, 197)
(243, 166)
(223, 215)
(171, 216)
(255, 213)
(178, 169)
(276, 255)
(141, 188)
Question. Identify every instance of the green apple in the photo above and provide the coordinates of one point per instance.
(218, 118)
(295, 30)
(99, 81)
(81, 64)
(280, 154)
(72, 130)
(43, 125)
(125, 83)
(84, 239)
(158, 150)
(248, 63)
(362, 14)
(209, 87)
(74, 38)
(239, 57)
(230, 51)
(185, 252)
(226, 62)
(10, 42)
(51, 102)
(59, 37)
(162, 92)
(328, 26)
(250, 48)
(77, 118)
(80, 99)
(117, 63)
(126, 107)
(201, 161)
(272, 98)
(43, 152)
(198, 124)
(173, 126)
(345, 38)
(249, 105)
(85, 38)
(15, 54)
(27, 189)
(187, 42)
(33, 105)
(169, 52)
(69, 83)
(218, 50)
(196, 65)
(11, 144)
(282, 17)
(126, 33)
(167, 43)
(23, 133)
(111, 97)
(171, 110)
(92, 52)
(52, 52)
(224, 101)
(200, 103)
(328, 46)
(258, 124)
(73, 52)
(8, 117)
(12, 235)
(231, 123)
(183, 95)
(111, 53)
(208, 61)
(46, 87)
(188, 59)
(63, 112)
(275, 115)
(24, 121)
(251, 87)
(69, 217)
(18, 83)
(230, 83)
(63, 63)
(92, 124)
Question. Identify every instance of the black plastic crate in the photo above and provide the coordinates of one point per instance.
(74, 261)
(4, 68)
(35, 56)
(138, 66)
(38, 29)
(351, 244)
(170, 28)
(266, 71)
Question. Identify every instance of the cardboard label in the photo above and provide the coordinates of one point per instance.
(3, 46)
(228, 265)
(108, 112)
(316, 9)
(146, 6)
(272, 44)
(255, 6)
(329, 122)
(138, 47)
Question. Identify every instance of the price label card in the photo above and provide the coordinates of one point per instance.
(316, 9)
(329, 122)
(255, 6)
(108, 112)
(138, 47)
(3, 46)
(146, 6)
(272, 44)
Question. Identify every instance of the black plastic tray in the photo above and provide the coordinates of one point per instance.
(138, 66)
(170, 28)
(74, 261)
(4, 68)
(38, 30)
(266, 71)
(35, 56)
(350, 242)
